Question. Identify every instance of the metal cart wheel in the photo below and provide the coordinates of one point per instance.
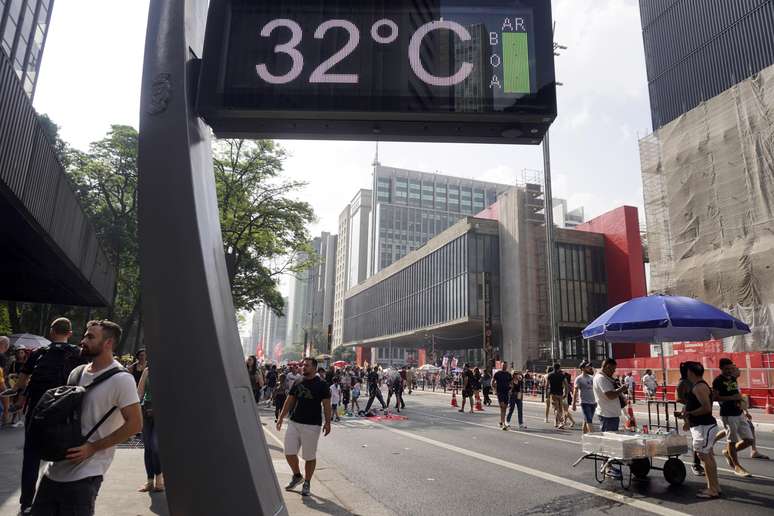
(674, 471)
(640, 468)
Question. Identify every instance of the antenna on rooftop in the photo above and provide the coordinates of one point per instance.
(376, 156)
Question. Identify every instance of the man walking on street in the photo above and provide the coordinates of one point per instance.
(584, 390)
(650, 384)
(502, 386)
(704, 428)
(630, 386)
(738, 436)
(558, 389)
(46, 368)
(71, 486)
(467, 387)
(374, 391)
(306, 400)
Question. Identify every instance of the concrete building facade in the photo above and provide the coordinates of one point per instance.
(51, 253)
(411, 207)
(351, 265)
(432, 300)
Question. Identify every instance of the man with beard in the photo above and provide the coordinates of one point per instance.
(306, 402)
(71, 486)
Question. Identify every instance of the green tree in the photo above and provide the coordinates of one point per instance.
(264, 229)
(105, 180)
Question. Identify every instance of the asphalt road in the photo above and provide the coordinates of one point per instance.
(440, 461)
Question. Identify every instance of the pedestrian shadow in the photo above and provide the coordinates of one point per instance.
(324, 506)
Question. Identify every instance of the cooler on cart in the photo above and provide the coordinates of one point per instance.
(635, 452)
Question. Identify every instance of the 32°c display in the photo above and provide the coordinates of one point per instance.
(487, 62)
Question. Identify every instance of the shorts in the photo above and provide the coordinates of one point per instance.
(304, 437)
(588, 411)
(502, 397)
(737, 429)
(468, 393)
(704, 438)
(558, 402)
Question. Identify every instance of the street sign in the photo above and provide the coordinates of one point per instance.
(437, 70)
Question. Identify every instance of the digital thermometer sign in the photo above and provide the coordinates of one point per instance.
(445, 70)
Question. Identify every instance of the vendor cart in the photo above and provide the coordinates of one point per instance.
(622, 456)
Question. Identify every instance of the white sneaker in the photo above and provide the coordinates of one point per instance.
(522, 427)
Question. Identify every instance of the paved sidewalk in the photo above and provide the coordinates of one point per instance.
(332, 493)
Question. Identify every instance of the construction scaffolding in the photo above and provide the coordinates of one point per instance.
(708, 182)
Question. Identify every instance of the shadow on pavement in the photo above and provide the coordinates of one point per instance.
(323, 505)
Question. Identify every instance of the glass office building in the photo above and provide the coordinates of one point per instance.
(440, 288)
(23, 30)
(411, 207)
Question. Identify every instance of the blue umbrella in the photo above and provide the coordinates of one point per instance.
(660, 319)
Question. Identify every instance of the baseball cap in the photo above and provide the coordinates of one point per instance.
(583, 364)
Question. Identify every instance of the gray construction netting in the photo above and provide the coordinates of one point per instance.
(708, 181)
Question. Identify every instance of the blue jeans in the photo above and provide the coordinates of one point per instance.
(609, 424)
(151, 442)
(588, 411)
(513, 402)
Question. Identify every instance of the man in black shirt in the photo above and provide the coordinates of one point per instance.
(738, 435)
(502, 386)
(305, 401)
(46, 368)
(467, 387)
(558, 388)
(374, 391)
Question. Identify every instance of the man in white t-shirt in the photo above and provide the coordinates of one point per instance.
(71, 486)
(608, 394)
(649, 381)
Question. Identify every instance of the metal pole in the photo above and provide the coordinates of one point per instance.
(549, 216)
(664, 370)
(185, 285)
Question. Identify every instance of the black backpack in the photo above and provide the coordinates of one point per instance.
(55, 425)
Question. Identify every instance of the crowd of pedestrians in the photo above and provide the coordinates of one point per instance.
(117, 404)
(74, 439)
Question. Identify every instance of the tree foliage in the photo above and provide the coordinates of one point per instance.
(105, 180)
(264, 229)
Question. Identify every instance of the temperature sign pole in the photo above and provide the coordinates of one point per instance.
(185, 289)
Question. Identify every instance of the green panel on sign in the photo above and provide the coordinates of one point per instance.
(516, 62)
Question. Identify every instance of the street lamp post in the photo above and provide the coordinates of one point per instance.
(550, 272)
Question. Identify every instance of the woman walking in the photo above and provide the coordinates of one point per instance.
(139, 365)
(252, 371)
(516, 399)
(279, 395)
(155, 482)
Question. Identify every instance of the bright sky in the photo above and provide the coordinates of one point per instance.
(90, 78)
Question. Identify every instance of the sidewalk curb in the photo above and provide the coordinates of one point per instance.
(763, 427)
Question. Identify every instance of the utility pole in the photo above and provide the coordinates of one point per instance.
(549, 216)
(550, 272)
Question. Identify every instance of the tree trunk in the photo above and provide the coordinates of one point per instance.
(128, 324)
(13, 317)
